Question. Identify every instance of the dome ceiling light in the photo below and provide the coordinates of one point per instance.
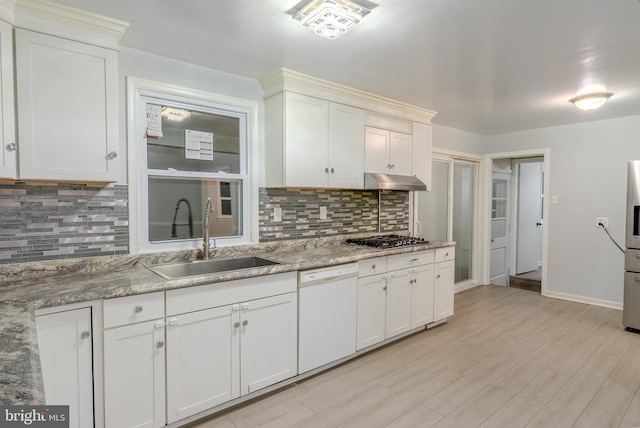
(592, 101)
(331, 18)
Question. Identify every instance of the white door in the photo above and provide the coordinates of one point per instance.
(134, 382)
(400, 150)
(346, 147)
(268, 341)
(306, 140)
(500, 228)
(66, 357)
(371, 311)
(443, 290)
(529, 234)
(398, 306)
(422, 295)
(203, 360)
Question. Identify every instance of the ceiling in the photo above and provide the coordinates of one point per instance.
(489, 67)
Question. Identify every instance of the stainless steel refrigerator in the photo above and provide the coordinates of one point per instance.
(631, 306)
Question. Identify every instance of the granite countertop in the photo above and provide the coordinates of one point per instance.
(27, 287)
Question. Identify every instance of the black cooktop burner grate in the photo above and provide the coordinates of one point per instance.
(388, 241)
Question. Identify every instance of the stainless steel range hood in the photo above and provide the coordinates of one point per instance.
(377, 181)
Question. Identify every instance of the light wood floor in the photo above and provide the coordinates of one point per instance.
(508, 358)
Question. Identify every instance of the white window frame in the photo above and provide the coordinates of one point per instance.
(141, 91)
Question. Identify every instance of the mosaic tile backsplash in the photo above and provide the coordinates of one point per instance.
(348, 212)
(57, 221)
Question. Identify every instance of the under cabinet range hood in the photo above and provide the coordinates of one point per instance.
(378, 181)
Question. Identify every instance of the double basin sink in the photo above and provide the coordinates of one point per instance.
(208, 267)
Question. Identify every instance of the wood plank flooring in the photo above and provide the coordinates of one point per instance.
(508, 358)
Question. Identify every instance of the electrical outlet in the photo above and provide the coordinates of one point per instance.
(277, 214)
(323, 213)
(603, 220)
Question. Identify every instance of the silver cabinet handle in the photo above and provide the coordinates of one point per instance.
(384, 288)
(245, 323)
(12, 147)
(413, 260)
(160, 344)
(237, 324)
(373, 266)
(332, 171)
(112, 155)
(393, 166)
(137, 309)
(326, 170)
(85, 335)
(438, 276)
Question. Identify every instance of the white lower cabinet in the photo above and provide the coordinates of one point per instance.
(219, 354)
(134, 381)
(64, 344)
(402, 292)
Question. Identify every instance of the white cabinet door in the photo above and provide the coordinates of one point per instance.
(398, 305)
(8, 145)
(421, 158)
(346, 147)
(134, 381)
(400, 153)
(376, 151)
(306, 134)
(443, 290)
(371, 310)
(66, 357)
(422, 295)
(203, 360)
(67, 109)
(268, 341)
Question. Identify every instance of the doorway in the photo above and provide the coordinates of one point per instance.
(516, 225)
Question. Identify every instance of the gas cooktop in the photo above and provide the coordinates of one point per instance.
(388, 241)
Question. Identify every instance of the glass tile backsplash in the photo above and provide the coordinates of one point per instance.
(347, 212)
(57, 221)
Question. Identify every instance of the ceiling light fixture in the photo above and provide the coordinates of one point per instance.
(175, 114)
(331, 18)
(591, 101)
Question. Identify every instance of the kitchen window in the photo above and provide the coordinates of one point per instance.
(190, 150)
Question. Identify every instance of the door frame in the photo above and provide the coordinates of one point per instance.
(485, 211)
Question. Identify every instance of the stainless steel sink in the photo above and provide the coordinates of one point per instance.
(207, 267)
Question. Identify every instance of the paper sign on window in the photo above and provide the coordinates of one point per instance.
(198, 145)
(154, 121)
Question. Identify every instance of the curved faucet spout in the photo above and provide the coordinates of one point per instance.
(174, 225)
(208, 210)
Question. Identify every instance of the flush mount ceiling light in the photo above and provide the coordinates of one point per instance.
(331, 18)
(175, 114)
(591, 101)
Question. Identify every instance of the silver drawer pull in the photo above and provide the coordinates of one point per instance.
(414, 260)
(237, 324)
(245, 323)
(160, 344)
(137, 309)
(85, 335)
(12, 147)
(373, 266)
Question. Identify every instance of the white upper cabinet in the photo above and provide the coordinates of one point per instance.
(421, 158)
(67, 109)
(387, 152)
(313, 143)
(9, 148)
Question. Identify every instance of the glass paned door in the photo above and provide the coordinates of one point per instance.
(464, 183)
(499, 228)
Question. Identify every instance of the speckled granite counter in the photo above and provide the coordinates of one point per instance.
(30, 286)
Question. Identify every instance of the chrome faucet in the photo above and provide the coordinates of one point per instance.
(208, 210)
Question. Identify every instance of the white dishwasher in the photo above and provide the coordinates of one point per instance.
(327, 299)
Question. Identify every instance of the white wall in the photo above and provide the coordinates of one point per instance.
(458, 140)
(145, 65)
(588, 175)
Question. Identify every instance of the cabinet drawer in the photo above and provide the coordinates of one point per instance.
(370, 267)
(191, 299)
(403, 261)
(133, 309)
(445, 254)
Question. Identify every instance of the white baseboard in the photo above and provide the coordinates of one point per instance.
(464, 286)
(581, 299)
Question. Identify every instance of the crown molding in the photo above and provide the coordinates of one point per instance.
(293, 81)
(65, 21)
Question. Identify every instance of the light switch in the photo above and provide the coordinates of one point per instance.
(554, 199)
